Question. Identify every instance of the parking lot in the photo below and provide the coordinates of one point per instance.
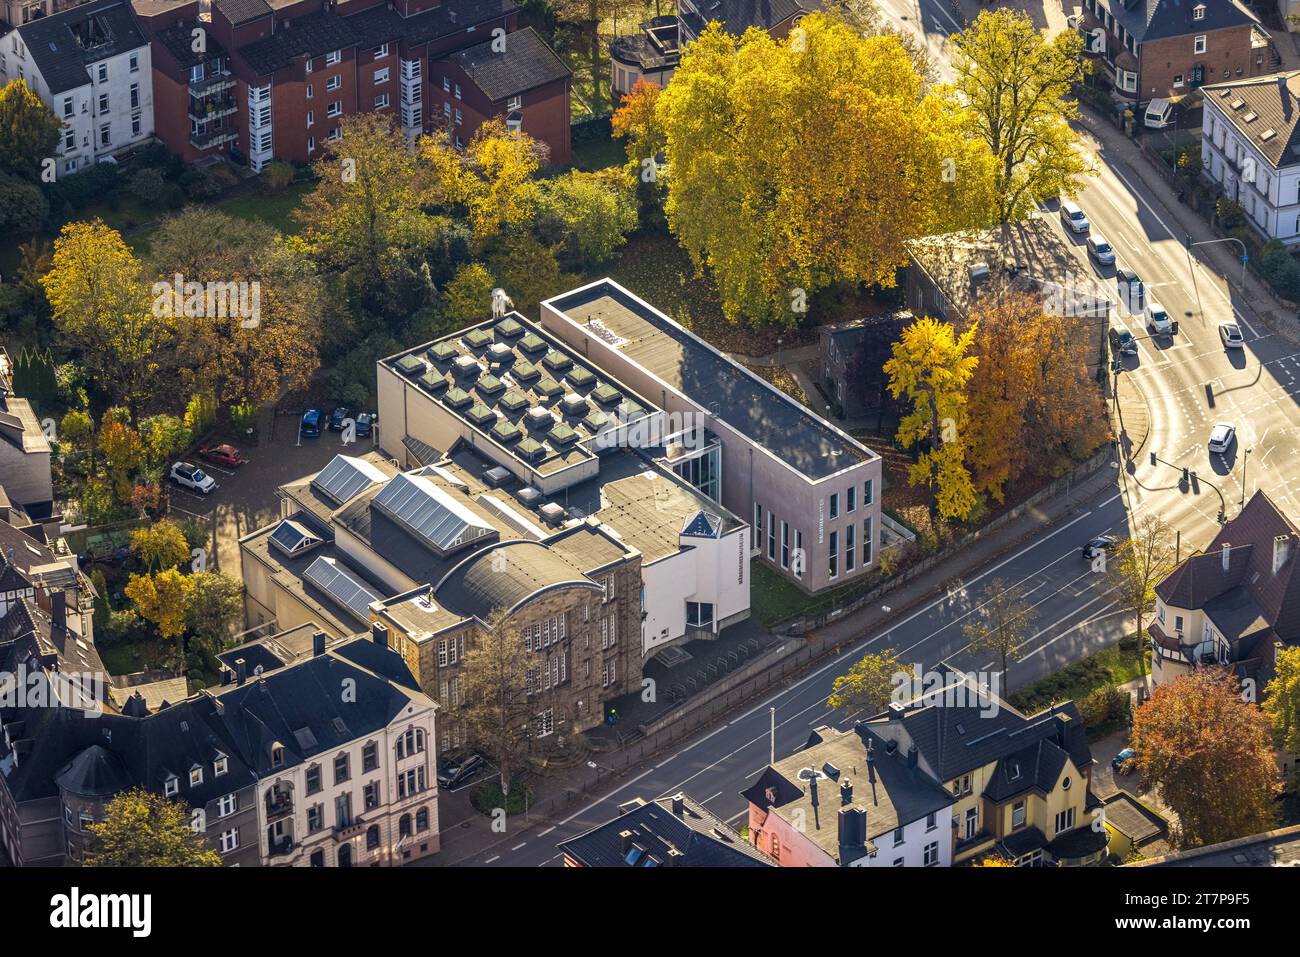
(245, 498)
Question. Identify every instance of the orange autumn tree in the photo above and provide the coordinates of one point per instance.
(1033, 406)
(1210, 753)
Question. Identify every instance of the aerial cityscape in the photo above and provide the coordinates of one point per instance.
(633, 433)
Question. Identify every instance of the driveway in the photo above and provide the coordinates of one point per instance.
(246, 498)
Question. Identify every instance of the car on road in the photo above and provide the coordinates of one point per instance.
(366, 422)
(1157, 319)
(1101, 250)
(338, 417)
(1102, 543)
(311, 422)
(1073, 218)
(456, 771)
(1122, 342)
(192, 477)
(223, 454)
(1132, 293)
(1231, 335)
(1222, 436)
(1122, 763)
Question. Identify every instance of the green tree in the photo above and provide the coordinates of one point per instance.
(1134, 566)
(867, 685)
(931, 366)
(162, 598)
(496, 710)
(142, 829)
(160, 545)
(214, 604)
(1282, 700)
(593, 213)
(1012, 90)
(29, 131)
(527, 268)
(1211, 755)
(22, 206)
(163, 436)
(1001, 625)
(468, 297)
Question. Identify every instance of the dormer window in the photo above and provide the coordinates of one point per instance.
(333, 58)
(220, 766)
(196, 776)
(1198, 12)
(277, 756)
(171, 786)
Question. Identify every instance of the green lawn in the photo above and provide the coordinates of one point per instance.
(1113, 666)
(129, 657)
(598, 153)
(773, 598)
(272, 208)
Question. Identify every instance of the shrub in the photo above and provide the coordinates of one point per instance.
(146, 185)
(1280, 269)
(278, 176)
(1102, 706)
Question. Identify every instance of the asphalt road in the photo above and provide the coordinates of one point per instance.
(1073, 615)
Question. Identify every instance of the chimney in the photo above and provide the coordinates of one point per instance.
(379, 634)
(679, 804)
(1226, 558)
(812, 791)
(625, 841)
(846, 793)
(59, 614)
(912, 756)
(1281, 551)
(318, 644)
(852, 832)
(241, 671)
(674, 858)
(1062, 729)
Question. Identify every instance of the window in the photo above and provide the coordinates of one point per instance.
(133, 62)
(333, 58)
(898, 862)
(1065, 784)
(343, 810)
(849, 550)
(311, 118)
(369, 757)
(307, 65)
(798, 546)
(103, 73)
(775, 848)
(342, 771)
(833, 566)
(370, 795)
(227, 805)
(1198, 12)
(1178, 79)
(277, 756)
(70, 143)
(381, 76)
(381, 50)
(135, 96)
(515, 103)
(867, 541)
(931, 857)
(171, 786)
(898, 836)
(972, 822)
(457, 92)
(1065, 820)
(785, 545)
(1128, 81)
(758, 521)
(313, 779)
(1178, 622)
(315, 818)
(311, 92)
(229, 840)
(67, 106)
(546, 722)
(335, 108)
(931, 820)
(771, 537)
(135, 124)
(84, 820)
(334, 82)
(446, 85)
(103, 103)
(835, 505)
(372, 837)
(868, 490)
(1198, 45)
(699, 614)
(850, 499)
(458, 118)
(422, 819)
(1018, 814)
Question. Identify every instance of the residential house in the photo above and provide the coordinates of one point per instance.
(854, 389)
(18, 12)
(948, 276)
(24, 447)
(810, 490)
(1278, 848)
(1250, 149)
(1168, 48)
(848, 799)
(673, 831)
(1234, 604)
(91, 66)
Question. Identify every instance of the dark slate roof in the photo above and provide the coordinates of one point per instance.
(179, 42)
(242, 11)
(1280, 848)
(1036, 767)
(737, 16)
(701, 839)
(505, 576)
(1160, 19)
(380, 23)
(1273, 103)
(1200, 580)
(61, 57)
(525, 63)
(311, 35)
(94, 773)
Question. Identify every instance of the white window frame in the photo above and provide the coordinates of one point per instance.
(1199, 44)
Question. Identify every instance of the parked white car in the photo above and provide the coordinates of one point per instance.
(193, 477)
(1074, 219)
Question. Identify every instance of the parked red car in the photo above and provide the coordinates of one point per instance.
(226, 455)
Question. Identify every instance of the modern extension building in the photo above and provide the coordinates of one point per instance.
(91, 66)
(810, 491)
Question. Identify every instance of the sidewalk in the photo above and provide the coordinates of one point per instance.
(467, 834)
(1221, 258)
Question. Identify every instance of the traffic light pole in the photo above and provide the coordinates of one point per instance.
(1188, 476)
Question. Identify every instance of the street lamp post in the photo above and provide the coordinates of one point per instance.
(1245, 460)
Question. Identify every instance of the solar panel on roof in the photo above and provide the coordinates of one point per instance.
(327, 575)
(292, 538)
(345, 477)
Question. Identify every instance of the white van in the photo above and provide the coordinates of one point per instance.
(1159, 114)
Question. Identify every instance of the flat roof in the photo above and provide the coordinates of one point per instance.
(522, 390)
(689, 365)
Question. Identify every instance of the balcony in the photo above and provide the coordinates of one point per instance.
(211, 138)
(212, 108)
(212, 83)
(350, 830)
(281, 848)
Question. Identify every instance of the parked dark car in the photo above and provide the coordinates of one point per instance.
(1102, 543)
(338, 417)
(455, 771)
(1122, 342)
(311, 420)
(223, 454)
(1122, 763)
(366, 422)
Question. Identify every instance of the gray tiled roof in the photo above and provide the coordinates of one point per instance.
(525, 63)
(1159, 19)
(106, 28)
(1265, 111)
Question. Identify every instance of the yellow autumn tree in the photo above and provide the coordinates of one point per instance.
(491, 181)
(801, 162)
(930, 368)
(162, 599)
(102, 309)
